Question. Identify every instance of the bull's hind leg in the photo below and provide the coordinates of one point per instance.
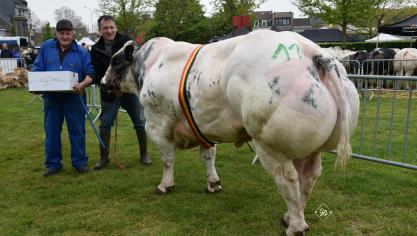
(309, 169)
(285, 175)
(213, 181)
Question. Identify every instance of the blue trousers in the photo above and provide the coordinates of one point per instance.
(130, 103)
(57, 107)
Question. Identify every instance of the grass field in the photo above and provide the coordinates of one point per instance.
(367, 199)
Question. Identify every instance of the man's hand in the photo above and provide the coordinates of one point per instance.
(78, 88)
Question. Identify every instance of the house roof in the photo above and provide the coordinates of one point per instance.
(301, 22)
(323, 35)
(263, 15)
(406, 27)
(235, 32)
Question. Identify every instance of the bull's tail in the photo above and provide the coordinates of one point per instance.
(330, 75)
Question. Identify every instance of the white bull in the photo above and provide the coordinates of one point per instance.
(406, 62)
(279, 89)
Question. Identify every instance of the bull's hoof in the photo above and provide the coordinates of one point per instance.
(299, 233)
(214, 187)
(170, 188)
(285, 221)
(165, 191)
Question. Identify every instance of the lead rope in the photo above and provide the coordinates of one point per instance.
(119, 165)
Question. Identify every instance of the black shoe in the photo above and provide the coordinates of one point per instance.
(82, 169)
(104, 152)
(51, 172)
(144, 160)
(101, 164)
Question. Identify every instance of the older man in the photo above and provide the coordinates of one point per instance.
(101, 53)
(5, 51)
(64, 54)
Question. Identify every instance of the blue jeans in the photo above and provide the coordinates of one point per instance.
(56, 108)
(130, 103)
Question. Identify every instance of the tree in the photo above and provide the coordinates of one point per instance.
(35, 23)
(47, 32)
(224, 10)
(181, 20)
(130, 15)
(381, 12)
(13, 29)
(69, 14)
(339, 12)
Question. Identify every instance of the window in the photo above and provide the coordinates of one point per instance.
(282, 21)
(264, 23)
(255, 23)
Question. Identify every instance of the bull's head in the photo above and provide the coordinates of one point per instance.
(120, 77)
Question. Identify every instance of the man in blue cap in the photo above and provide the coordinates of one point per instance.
(64, 54)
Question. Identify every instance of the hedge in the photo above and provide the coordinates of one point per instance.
(356, 46)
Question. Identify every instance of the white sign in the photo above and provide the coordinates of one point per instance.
(52, 81)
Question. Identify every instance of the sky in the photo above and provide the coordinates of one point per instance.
(44, 9)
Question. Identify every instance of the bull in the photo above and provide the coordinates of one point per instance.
(276, 88)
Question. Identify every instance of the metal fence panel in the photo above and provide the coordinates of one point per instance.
(386, 119)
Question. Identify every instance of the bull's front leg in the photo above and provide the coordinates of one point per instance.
(167, 150)
(213, 181)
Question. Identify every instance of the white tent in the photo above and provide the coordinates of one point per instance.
(86, 40)
(381, 37)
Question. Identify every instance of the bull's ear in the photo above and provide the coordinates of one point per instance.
(129, 52)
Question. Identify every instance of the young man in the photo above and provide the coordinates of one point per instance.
(63, 54)
(109, 43)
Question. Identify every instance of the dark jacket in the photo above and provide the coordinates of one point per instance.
(101, 60)
(6, 53)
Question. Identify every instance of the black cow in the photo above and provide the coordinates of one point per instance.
(380, 62)
(356, 60)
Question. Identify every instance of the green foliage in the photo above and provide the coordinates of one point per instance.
(382, 12)
(13, 29)
(367, 199)
(130, 15)
(180, 20)
(47, 32)
(370, 46)
(395, 15)
(339, 12)
(360, 16)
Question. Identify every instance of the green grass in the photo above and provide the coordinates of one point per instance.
(367, 199)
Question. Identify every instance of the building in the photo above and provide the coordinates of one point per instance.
(263, 20)
(283, 21)
(14, 15)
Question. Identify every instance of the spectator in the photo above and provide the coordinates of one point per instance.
(5, 51)
(64, 54)
(16, 55)
(101, 53)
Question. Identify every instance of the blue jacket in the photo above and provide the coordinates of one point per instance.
(77, 60)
